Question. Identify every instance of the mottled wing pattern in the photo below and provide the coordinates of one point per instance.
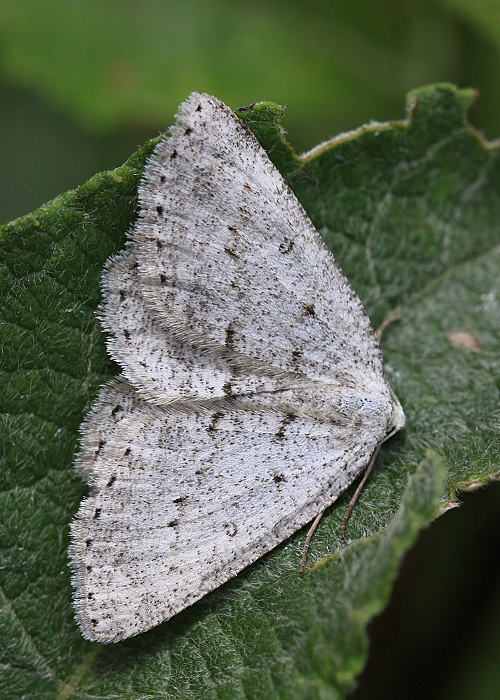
(184, 500)
(161, 363)
(228, 256)
(252, 389)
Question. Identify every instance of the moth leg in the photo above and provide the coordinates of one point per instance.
(305, 549)
(353, 500)
(352, 503)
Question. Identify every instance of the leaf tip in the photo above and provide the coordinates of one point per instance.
(441, 105)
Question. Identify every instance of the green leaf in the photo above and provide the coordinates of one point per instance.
(411, 211)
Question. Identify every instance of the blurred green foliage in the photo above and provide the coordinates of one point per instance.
(84, 82)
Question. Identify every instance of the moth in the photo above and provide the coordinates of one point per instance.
(252, 390)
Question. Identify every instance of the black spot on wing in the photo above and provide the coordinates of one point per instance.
(287, 420)
(286, 246)
(229, 339)
(296, 357)
(180, 500)
(213, 423)
(231, 529)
